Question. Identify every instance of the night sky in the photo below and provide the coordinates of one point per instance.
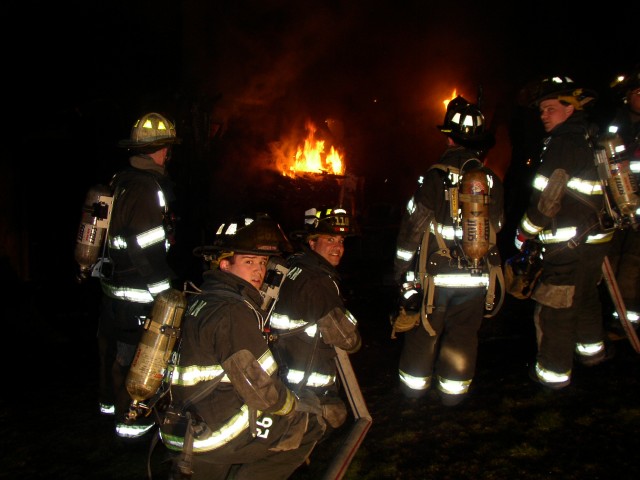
(79, 73)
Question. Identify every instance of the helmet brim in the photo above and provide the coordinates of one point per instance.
(164, 142)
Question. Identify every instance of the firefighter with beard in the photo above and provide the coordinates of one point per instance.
(441, 349)
(310, 317)
(136, 268)
(250, 425)
(564, 216)
(625, 246)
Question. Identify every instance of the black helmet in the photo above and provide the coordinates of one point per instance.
(329, 221)
(625, 83)
(257, 235)
(151, 130)
(464, 123)
(563, 89)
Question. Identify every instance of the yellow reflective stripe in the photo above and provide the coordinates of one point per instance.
(157, 287)
(567, 233)
(589, 349)
(414, 383)
(230, 430)
(547, 376)
(191, 375)
(453, 387)
(289, 404)
(528, 226)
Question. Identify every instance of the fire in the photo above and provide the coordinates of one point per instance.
(454, 94)
(312, 157)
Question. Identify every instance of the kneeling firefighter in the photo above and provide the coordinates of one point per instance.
(447, 263)
(229, 408)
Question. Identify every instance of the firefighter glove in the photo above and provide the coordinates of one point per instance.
(339, 328)
(411, 297)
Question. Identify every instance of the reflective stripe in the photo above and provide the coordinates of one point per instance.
(588, 187)
(448, 232)
(130, 294)
(107, 408)
(414, 383)
(161, 286)
(634, 166)
(528, 226)
(136, 295)
(411, 206)
(557, 379)
(463, 281)
(146, 239)
(283, 322)
(194, 374)
(132, 431)
(633, 317)
(315, 379)
(567, 233)
(590, 349)
(453, 387)
(230, 430)
(189, 376)
(405, 255)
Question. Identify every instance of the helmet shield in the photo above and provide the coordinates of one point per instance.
(151, 130)
(328, 221)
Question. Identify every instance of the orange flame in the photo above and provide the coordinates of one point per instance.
(312, 158)
(454, 94)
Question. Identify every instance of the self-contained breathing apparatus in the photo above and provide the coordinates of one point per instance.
(618, 181)
(468, 193)
(93, 229)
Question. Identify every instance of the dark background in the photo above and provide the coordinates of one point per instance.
(237, 77)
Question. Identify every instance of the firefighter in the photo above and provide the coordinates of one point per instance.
(135, 268)
(251, 426)
(564, 216)
(441, 349)
(625, 247)
(310, 317)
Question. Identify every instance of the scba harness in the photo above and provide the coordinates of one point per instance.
(473, 261)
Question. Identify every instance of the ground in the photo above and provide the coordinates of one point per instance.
(508, 428)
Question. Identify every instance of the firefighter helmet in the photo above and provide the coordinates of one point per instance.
(151, 130)
(624, 84)
(563, 89)
(465, 124)
(328, 221)
(257, 234)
